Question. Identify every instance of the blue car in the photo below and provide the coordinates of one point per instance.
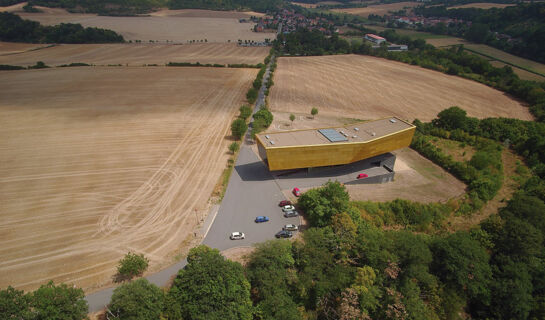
(261, 219)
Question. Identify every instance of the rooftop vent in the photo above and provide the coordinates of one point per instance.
(356, 129)
(272, 142)
(267, 136)
(354, 137)
(393, 120)
(373, 134)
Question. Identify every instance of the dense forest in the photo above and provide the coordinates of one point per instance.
(523, 24)
(15, 29)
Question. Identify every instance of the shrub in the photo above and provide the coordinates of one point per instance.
(132, 265)
(238, 128)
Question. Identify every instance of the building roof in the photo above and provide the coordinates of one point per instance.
(374, 36)
(358, 132)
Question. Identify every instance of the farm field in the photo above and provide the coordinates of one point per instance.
(9, 48)
(178, 26)
(380, 9)
(100, 161)
(135, 54)
(366, 87)
(483, 5)
(501, 55)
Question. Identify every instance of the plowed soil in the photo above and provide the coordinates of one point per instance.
(96, 162)
(366, 87)
(132, 54)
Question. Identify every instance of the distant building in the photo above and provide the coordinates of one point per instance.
(374, 38)
(397, 47)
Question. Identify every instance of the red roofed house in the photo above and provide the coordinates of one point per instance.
(374, 38)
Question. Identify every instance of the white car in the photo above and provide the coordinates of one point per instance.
(236, 236)
(290, 227)
(287, 208)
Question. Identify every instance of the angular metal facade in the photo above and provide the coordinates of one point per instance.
(308, 156)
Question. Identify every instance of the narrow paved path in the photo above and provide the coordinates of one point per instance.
(251, 192)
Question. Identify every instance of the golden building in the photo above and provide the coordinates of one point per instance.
(333, 146)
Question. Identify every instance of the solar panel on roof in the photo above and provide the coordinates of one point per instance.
(332, 135)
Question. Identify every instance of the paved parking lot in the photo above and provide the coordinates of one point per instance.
(252, 192)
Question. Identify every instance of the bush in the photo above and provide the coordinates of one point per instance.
(265, 115)
(132, 265)
(238, 128)
(245, 112)
(251, 95)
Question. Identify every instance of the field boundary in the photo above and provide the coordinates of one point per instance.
(506, 62)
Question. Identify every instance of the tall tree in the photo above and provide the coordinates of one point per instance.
(59, 302)
(136, 300)
(211, 287)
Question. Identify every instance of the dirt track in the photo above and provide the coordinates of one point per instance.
(132, 54)
(366, 87)
(95, 162)
(176, 25)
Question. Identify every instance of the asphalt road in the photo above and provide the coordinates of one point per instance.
(251, 192)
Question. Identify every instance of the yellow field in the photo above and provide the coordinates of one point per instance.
(380, 9)
(179, 26)
(366, 87)
(135, 54)
(95, 162)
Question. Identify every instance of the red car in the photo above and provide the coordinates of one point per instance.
(296, 192)
(362, 175)
(284, 203)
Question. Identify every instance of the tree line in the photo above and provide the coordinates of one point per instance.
(15, 29)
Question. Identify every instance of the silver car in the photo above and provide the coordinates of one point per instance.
(237, 236)
(290, 227)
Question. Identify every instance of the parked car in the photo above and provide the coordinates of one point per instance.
(261, 219)
(289, 207)
(290, 214)
(290, 227)
(237, 236)
(284, 203)
(362, 175)
(284, 234)
(296, 192)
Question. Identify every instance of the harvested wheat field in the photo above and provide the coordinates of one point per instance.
(10, 48)
(96, 162)
(136, 54)
(380, 9)
(162, 26)
(365, 87)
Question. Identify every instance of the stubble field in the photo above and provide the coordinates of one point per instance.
(132, 54)
(366, 87)
(96, 162)
(177, 26)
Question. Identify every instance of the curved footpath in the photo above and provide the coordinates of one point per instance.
(251, 192)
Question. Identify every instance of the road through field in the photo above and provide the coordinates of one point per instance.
(365, 87)
(95, 162)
